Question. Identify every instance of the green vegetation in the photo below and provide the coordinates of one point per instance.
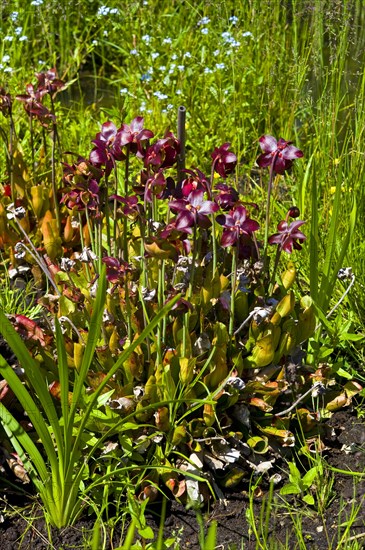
(183, 315)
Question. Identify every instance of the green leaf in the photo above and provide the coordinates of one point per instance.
(294, 472)
(25, 399)
(309, 499)
(146, 532)
(309, 477)
(211, 538)
(290, 489)
(20, 440)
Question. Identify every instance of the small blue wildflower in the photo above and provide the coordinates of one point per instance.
(146, 77)
(94, 42)
(134, 52)
(204, 21)
(146, 38)
(207, 70)
(5, 58)
(220, 66)
(226, 36)
(14, 15)
(8, 38)
(247, 33)
(233, 19)
(204, 30)
(178, 92)
(36, 2)
(162, 68)
(167, 40)
(103, 10)
(114, 11)
(154, 55)
(187, 54)
(181, 67)
(105, 33)
(174, 57)
(169, 107)
(8, 70)
(160, 95)
(216, 52)
(123, 91)
(23, 38)
(18, 30)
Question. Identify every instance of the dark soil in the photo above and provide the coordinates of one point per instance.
(346, 451)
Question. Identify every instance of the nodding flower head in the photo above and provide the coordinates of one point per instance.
(288, 236)
(279, 155)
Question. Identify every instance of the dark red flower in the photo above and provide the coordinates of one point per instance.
(33, 106)
(278, 154)
(116, 269)
(193, 211)
(288, 236)
(83, 195)
(5, 102)
(107, 148)
(49, 81)
(133, 134)
(226, 197)
(163, 153)
(236, 224)
(130, 206)
(224, 161)
(155, 185)
(81, 171)
(195, 180)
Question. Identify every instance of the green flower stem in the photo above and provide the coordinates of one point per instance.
(107, 216)
(53, 180)
(34, 253)
(115, 206)
(214, 240)
(277, 259)
(128, 310)
(125, 220)
(267, 219)
(233, 290)
(192, 271)
(11, 161)
(88, 221)
(32, 147)
(83, 246)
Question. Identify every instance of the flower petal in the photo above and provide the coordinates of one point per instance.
(268, 144)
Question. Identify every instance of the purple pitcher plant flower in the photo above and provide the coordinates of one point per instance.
(49, 81)
(224, 161)
(116, 270)
(134, 134)
(226, 197)
(288, 236)
(236, 224)
(32, 102)
(195, 180)
(5, 102)
(279, 155)
(107, 148)
(193, 211)
(84, 195)
(163, 153)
